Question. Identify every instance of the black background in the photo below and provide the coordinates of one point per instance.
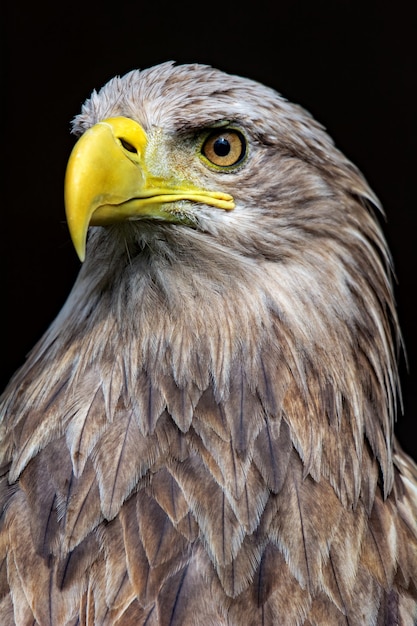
(352, 64)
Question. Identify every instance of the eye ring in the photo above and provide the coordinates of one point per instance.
(224, 147)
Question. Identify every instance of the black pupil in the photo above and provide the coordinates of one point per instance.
(221, 147)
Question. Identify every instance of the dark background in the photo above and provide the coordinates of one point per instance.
(352, 64)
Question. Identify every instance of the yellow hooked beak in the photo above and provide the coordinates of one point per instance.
(107, 181)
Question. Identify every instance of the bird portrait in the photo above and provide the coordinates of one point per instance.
(204, 436)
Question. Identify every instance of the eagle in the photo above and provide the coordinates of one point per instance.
(204, 434)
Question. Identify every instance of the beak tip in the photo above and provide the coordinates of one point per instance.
(79, 243)
(81, 256)
(80, 249)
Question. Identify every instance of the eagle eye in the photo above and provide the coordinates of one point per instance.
(224, 148)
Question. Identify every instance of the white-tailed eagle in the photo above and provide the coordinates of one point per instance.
(204, 435)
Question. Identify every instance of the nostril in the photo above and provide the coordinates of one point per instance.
(127, 146)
